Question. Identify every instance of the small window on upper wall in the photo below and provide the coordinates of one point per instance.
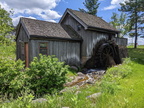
(43, 48)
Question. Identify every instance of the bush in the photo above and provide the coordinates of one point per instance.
(46, 75)
(11, 76)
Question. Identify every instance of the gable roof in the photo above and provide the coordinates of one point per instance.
(89, 21)
(45, 29)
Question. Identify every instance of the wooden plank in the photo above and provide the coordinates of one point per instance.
(26, 55)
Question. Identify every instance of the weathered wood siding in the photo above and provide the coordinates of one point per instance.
(64, 50)
(121, 41)
(90, 38)
(21, 38)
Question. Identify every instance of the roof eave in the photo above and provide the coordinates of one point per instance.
(102, 29)
(55, 38)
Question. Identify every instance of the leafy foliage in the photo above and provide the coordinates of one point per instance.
(11, 76)
(6, 26)
(46, 75)
(135, 11)
(120, 23)
(91, 6)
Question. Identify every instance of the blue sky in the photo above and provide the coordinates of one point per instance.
(52, 10)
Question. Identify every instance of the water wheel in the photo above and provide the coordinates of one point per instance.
(105, 54)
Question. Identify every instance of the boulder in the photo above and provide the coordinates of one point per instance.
(95, 95)
(39, 100)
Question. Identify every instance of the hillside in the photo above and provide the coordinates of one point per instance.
(121, 87)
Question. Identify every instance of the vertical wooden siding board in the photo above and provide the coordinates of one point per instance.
(67, 44)
(61, 50)
(30, 51)
(121, 41)
(73, 53)
(64, 50)
(52, 48)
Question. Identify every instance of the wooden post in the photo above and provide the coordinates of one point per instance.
(26, 55)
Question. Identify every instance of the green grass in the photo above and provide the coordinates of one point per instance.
(137, 55)
(128, 89)
(131, 93)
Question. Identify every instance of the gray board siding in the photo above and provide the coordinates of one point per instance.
(66, 51)
(90, 38)
(21, 38)
(121, 41)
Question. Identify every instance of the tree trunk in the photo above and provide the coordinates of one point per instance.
(136, 34)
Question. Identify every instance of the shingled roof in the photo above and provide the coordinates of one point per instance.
(90, 21)
(38, 28)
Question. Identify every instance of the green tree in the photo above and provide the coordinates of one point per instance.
(91, 7)
(6, 25)
(135, 11)
(121, 23)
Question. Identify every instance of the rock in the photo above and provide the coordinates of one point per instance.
(90, 79)
(74, 68)
(84, 70)
(39, 100)
(77, 92)
(77, 80)
(95, 95)
(69, 89)
(81, 83)
(80, 74)
(72, 78)
(101, 72)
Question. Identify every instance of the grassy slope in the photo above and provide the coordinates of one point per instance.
(130, 95)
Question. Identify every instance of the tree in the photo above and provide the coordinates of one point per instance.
(135, 11)
(121, 23)
(6, 25)
(91, 7)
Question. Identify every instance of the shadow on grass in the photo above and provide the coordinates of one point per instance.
(136, 55)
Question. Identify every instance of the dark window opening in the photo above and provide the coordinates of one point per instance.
(43, 48)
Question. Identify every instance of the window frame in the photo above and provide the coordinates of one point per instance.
(43, 48)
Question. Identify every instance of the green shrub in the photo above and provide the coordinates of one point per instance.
(11, 76)
(46, 75)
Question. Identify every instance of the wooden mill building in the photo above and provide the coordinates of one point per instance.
(72, 40)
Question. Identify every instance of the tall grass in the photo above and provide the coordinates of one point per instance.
(131, 93)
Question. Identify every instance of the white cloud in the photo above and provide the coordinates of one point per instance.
(114, 4)
(64, 1)
(31, 8)
(16, 19)
(140, 41)
(110, 7)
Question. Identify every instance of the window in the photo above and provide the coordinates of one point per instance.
(43, 48)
